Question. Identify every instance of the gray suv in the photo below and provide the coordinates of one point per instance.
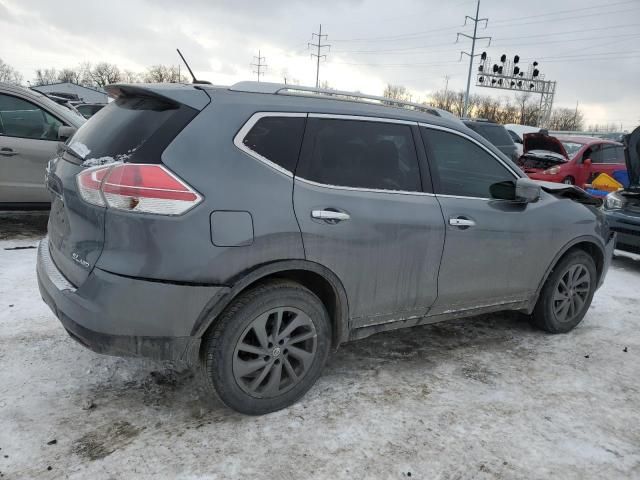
(255, 228)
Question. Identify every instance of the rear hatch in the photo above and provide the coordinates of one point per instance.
(541, 151)
(135, 128)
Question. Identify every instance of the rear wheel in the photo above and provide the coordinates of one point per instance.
(569, 180)
(268, 348)
(567, 293)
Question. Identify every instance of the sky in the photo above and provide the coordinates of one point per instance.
(591, 48)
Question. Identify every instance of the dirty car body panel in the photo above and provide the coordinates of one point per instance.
(381, 256)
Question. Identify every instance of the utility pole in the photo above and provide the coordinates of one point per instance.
(473, 39)
(259, 65)
(575, 117)
(446, 85)
(319, 54)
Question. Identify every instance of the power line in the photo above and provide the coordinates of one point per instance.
(498, 23)
(259, 65)
(319, 53)
(475, 37)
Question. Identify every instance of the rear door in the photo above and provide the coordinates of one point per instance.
(363, 213)
(28, 139)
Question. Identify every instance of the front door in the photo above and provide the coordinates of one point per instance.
(28, 140)
(490, 253)
(359, 200)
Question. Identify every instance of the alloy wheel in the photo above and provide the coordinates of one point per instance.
(571, 293)
(274, 352)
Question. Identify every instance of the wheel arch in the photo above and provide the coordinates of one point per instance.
(589, 244)
(317, 278)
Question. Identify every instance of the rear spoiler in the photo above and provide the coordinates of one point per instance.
(175, 93)
(570, 191)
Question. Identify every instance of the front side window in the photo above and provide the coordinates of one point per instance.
(277, 139)
(361, 154)
(23, 119)
(461, 168)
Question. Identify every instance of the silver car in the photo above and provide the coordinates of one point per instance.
(31, 126)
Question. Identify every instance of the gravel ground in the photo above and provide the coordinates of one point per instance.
(484, 398)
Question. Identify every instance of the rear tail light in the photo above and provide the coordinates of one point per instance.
(136, 187)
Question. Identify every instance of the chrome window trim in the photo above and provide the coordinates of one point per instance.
(337, 116)
(246, 128)
(467, 137)
(359, 189)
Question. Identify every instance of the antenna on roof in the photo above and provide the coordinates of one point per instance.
(195, 80)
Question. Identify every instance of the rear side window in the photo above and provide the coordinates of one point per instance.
(360, 154)
(277, 139)
(460, 167)
(131, 128)
(23, 119)
(496, 134)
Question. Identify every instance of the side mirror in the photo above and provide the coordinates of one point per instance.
(587, 162)
(522, 190)
(64, 133)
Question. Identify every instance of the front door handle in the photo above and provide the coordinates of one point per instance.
(7, 152)
(332, 216)
(461, 222)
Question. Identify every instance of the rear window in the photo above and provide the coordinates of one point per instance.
(496, 134)
(131, 128)
(360, 154)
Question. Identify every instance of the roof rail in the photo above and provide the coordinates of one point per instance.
(282, 89)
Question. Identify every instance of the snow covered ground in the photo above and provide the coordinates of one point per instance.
(481, 398)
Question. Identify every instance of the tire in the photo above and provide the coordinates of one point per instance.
(240, 348)
(569, 180)
(559, 308)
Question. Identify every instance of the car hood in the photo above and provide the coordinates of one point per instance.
(539, 141)
(632, 157)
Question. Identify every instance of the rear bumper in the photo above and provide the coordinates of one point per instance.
(122, 316)
(627, 229)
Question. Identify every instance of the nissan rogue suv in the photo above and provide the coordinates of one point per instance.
(255, 228)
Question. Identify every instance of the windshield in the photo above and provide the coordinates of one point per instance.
(571, 147)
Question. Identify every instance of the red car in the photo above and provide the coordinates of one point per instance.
(571, 160)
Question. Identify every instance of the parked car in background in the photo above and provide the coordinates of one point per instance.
(496, 134)
(254, 228)
(87, 110)
(570, 160)
(623, 207)
(31, 127)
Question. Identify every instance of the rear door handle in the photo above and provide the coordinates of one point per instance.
(330, 215)
(461, 222)
(7, 152)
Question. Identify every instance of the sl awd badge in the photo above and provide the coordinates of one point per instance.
(78, 259)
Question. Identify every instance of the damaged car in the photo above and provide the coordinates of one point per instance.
(571, 160)
(623, 207)
(253, 229)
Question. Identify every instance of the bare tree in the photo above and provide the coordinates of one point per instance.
(71, 75)
(397, 92)
(45, 76)
(104, 73)
(128, 76)
(566, 119)
(164, 74)
(8, 74)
